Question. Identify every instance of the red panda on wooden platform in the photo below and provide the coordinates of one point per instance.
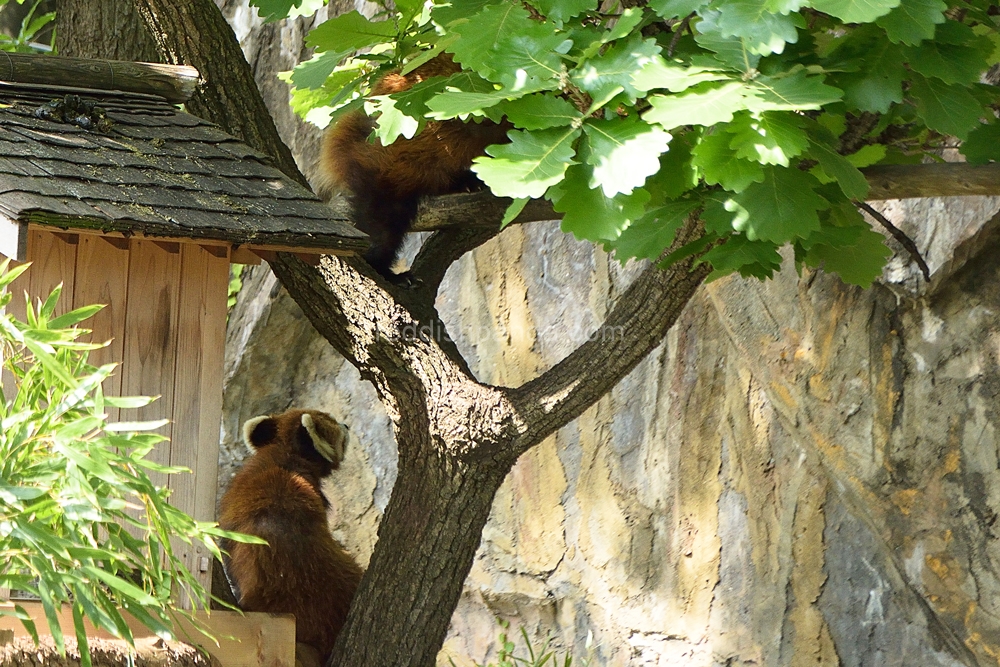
(385, 183)
(277, 496)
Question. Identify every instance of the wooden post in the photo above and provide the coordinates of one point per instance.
(175, 83)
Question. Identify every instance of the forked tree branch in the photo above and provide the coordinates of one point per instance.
(440, 251)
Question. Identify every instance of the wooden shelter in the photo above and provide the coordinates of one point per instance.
(108, 188)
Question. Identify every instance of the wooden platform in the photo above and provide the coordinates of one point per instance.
(249, 640)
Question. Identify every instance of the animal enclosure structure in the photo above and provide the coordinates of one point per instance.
(112, 191)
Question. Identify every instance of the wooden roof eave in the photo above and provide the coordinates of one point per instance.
(244, 248)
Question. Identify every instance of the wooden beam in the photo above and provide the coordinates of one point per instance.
(949, 179)
(238, 254)
(175, 83)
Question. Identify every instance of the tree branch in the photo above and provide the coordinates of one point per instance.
(898, 234)
(475, 209)
(899, 181)
(440, 251)
(949, 179)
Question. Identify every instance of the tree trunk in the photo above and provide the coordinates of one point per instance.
(427, 541)
(109, 29)
(457, 438)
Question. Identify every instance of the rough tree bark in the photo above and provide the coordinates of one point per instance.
(103, 29)
(457, 438)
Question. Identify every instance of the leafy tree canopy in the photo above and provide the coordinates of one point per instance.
(758, 113)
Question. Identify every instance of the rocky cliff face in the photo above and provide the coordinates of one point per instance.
(803, 473)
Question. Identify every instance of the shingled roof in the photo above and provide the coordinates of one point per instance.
(145, 167)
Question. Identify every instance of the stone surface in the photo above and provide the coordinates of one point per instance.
(804, 473)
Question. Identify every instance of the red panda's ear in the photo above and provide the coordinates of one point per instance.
(259, 431)
(327, 436)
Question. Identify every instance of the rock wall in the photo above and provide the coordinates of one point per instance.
(804, 473)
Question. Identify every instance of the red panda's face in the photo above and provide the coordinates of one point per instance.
(299, 438)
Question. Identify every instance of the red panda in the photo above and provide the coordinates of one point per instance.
(385, 183)
(277, 496)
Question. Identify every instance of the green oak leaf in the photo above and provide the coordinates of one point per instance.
(670, 9)
(878, 83)
(350, 32)
(513, 211)
(587, 213)
(561, 11)
(456, 103)
(855, 252)
(866, 156)
(626, 22)
(658, 73)
(720, 166)
(722, 214)
(913, 21)
(705, 104)
(949, 109)
(314, 72)
(759, 259)
(447, 12)
(304, 100)
(840, 169)
(391, 122)
(413, 101)
(623, 152)
(603, 75)
(464, 93)
(782, 207)
(983, 144)
(855, 11)
(541, 111)
(786, 6)
(796, 91)
(503, 44)
(733, 53)
(676, 175)
(773, 138)
(650, 235)
(275, 10)
(762, 31)
(529, 164)
(951, 63)
(869, 69)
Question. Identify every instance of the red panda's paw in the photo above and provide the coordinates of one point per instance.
(405, 279)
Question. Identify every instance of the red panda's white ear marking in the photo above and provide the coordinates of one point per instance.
(248, 427)
(327, 450)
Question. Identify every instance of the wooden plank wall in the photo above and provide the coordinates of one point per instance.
(165, 315)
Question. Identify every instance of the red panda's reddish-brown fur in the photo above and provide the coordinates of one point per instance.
(384, 183)
(277, 496)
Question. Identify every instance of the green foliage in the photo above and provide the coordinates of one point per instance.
(235, 284)
(32, 27)
(81, 524)
(627, 120)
